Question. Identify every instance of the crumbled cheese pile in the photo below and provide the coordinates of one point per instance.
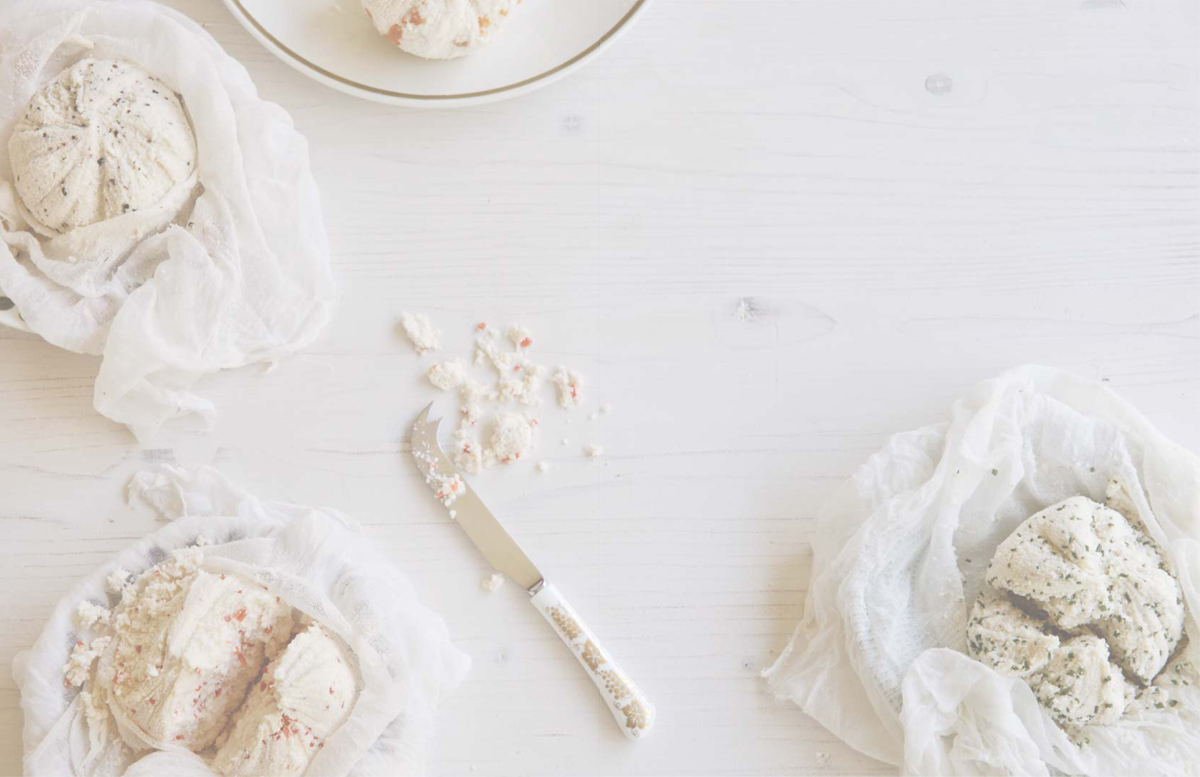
(186, 651)
(495, 425)
(1082, 605)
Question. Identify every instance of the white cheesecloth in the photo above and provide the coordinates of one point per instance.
(900, 554)
(314, 559)
(242, 273)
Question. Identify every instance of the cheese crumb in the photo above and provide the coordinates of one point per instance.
(606, 408)
(421, 332)
(519, 379)
(447, 488)
(450, 489)
(594, 451)
(79, 665)
(89, 614)
(543, 466)
(512, 438)
(448, 375)
(493, 582)
(117, 580)
(519, 336)
(569, 384)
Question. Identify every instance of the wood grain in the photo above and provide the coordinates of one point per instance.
(771, 234)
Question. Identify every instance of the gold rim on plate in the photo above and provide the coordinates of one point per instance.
(460, 96)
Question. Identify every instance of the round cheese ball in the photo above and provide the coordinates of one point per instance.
(103, 139)
(438, 29)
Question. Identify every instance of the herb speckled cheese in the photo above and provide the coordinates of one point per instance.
(1073, 678)
(1081, 686)
(103, 139)
(1004, 637)
(1084, 565)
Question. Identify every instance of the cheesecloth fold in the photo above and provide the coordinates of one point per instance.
(900, 555)
(240, 275)
(316, 561)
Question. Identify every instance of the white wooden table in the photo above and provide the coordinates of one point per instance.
(772, 234)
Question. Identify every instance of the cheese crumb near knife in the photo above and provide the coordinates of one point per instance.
(493, 582)
(448, 375)
(570, 387)
(421, 332)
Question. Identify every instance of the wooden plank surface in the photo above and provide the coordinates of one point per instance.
(771, 233)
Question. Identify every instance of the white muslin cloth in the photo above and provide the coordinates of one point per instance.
(314, 559)
(900, 554)
(241, 275)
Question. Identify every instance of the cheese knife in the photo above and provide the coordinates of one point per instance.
(629, 706)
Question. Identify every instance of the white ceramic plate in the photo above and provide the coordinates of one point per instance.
(333, 42)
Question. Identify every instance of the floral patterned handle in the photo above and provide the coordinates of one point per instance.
(633, 711)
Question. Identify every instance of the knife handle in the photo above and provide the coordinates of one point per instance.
(632, 710)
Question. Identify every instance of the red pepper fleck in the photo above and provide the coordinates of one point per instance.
(267, 630)
(179, 737)
(526, 343)
(218, 693)
(154, 701)
(136, 648)
(482, 326)
(240, 615)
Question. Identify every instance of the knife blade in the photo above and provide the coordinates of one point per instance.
(484, 529)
